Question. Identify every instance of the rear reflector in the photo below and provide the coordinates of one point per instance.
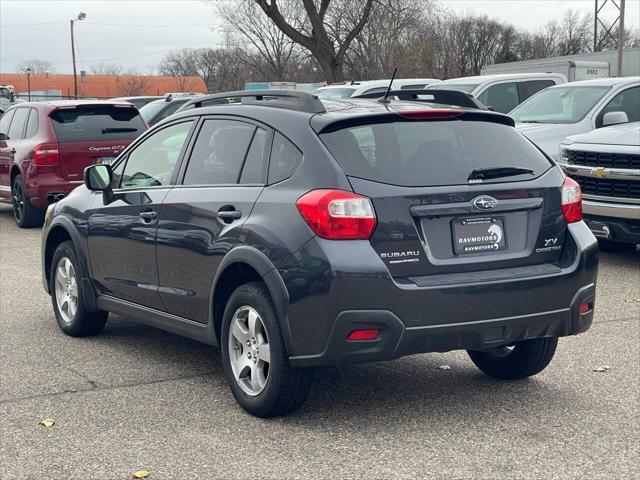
(586, 307)
(338, 215)
(571, 201)
(368, 334)
(430, 114)
(46, 154)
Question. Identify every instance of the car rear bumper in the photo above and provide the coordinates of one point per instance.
(411, 319)
(43, 189)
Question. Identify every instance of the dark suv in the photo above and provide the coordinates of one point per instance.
(293, 234)
(45, 147)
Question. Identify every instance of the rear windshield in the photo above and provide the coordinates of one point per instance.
(334, 93)
(460, 87)
(97, 123)
(431, 153)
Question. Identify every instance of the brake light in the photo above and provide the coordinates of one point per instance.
(586, 307)
(571, 200)
(368, 334)
(431, 113)
(46, 154)
(338, 215)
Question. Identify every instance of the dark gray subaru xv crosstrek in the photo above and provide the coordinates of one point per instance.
(294, 233)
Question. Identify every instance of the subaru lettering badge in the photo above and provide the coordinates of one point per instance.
(485, 202)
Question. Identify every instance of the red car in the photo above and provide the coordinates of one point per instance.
(45, 147)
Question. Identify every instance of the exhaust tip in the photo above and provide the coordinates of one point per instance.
(55, 197)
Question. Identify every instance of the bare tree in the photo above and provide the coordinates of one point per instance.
(132, 84)
(326, 30)
(575, 33)
(106, 69)
(36, 66)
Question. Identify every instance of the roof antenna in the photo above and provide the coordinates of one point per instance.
(386, 94)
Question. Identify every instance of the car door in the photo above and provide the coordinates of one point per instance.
(501, 97)
(201, 218)
(6, 155)
(627, 100)
(122, 233)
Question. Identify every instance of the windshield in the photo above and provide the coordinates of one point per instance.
(334, 93)
(461, 87)
(415, 154)
(150, 110)
(558, 105)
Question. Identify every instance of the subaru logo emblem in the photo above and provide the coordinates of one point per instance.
(485, 202)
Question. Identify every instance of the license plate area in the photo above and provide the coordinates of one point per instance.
(478, 235)
(105, 160)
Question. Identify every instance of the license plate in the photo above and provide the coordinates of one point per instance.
(477, 235)
(105, 160)
(599, 229)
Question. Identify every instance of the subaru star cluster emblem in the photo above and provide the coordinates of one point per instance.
(485, 202)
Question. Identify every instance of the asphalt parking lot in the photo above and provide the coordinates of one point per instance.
(136, 398)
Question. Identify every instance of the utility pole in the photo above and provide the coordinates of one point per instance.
(81, 16)
(620, 37)
(29, 82)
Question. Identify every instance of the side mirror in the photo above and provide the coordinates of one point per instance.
(614, 118)
(3, 137)
(98, 177)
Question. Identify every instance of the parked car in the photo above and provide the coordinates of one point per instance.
(578, 107)
(8, 98)
(606, 164)
(154, 112)
(449, 97)
(45, 147)
(298, 233)
(502, 93)
(139, 102)
(354, 89)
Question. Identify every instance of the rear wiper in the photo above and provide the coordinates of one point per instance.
(119, 130)
(497, 172)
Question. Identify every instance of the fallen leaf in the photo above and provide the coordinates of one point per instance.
(48, 422)
(444, 367)
(603, 368)
(632, 300)
(141, 474)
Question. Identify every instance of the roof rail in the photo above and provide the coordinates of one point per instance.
(288, 99)
(444, 97)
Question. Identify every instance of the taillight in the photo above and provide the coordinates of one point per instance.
(366, 335)
(46, 154)
(338, 215)
(431, 113)
(571, 201)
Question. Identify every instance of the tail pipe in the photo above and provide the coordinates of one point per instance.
(55, 197)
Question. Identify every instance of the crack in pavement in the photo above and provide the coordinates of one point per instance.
(97, 388)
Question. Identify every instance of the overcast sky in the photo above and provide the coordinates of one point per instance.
(137, 33)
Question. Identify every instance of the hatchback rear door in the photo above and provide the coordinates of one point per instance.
(89, 134)
(454, 196)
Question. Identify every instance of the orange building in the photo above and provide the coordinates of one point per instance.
(103, 86)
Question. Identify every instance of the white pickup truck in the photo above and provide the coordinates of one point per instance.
(606, 164)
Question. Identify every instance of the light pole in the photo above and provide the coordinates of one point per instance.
(29, 82)
(81, 16)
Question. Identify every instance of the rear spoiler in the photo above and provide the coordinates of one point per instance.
(427, 95)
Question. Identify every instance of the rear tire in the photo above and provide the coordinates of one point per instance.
(254, 359)
(25, 214)
(525, 359)
(66, 294)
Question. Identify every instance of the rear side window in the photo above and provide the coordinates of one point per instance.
(285, 158)
(502, 97)
(415, 154)
(16, 129)
(530, 88)
(255, 165)
(32, 124)
(97, 123)
(5, 121)
(218, 153)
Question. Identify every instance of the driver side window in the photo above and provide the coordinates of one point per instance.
(152, 162)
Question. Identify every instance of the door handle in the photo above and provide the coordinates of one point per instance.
(229, 215)
(148, 216)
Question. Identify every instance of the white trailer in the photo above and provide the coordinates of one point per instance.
(574, 70)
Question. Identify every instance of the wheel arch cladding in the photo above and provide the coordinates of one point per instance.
(245, 265)
(55, 237)
(15, 171)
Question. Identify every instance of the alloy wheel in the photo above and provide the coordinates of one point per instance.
(249, 350)
(66, 289)
(18, 201)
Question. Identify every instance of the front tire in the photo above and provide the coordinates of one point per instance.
(25, 214)
(66, 294)
(522, 360)
(254, 358)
